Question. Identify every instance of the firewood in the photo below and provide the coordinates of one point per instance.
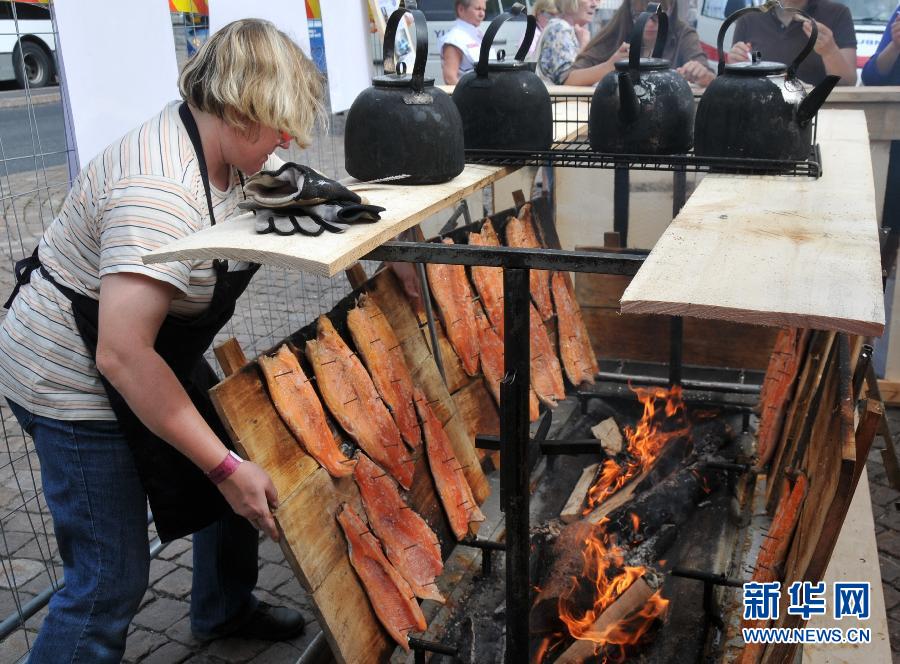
(607, 432)
(672, 501)
(575, 504)
(629, 602)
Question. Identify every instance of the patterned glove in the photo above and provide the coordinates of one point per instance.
(293, 185)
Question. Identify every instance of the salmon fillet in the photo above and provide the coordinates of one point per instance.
(546, 375)
(450, 288)
(492, 365)
(391, 597)
(409, 542)
(520, 233)
(489, 280)
(452, 485)
(575, 348)
(299, 406)
(353, 400)
(381, 352)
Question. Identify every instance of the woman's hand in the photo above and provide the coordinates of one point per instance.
(838, 61)
(696, 72)
(620, 54)
(250, 493)
(740, 52)
(583, 35)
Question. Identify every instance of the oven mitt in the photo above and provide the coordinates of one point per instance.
(292, 185)
(314, 219)
(269, 222)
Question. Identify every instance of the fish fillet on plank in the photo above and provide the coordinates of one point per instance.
(354, 402)
(450, 287)
(492, 365)
(452, 485)
(575, 348)
(546, 375)
(520, 233)
(390, 595)
(410, 543)
(299, 406)
(489, 280)
(381, 352)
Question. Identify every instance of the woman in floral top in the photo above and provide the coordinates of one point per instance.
(563, 38)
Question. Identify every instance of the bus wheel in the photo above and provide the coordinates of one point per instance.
(32, 63)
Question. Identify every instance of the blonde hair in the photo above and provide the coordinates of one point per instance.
(546, 6)
(250, 72)
(567, 6)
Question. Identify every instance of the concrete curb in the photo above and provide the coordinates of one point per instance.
(36, 98)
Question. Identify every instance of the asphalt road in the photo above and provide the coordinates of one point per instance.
(24, 149)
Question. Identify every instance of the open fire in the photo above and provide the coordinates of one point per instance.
(657, 426)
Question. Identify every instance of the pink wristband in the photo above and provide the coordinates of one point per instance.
(221, 472)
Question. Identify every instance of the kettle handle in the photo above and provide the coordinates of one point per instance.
(390, 35)
(768, 6)
(482, 67)
(637, 38)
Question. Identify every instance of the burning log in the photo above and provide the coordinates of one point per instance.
(612, 627)
(672, 501)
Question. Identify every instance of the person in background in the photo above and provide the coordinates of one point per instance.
(682, 46)
(101, 356)
(780, 35)
(563, 38)
(883, 68)
(461, 46)
(543, 11)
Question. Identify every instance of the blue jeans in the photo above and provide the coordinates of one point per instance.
(99, 511)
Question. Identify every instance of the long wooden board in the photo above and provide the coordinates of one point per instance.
(776, 250)
(309, 498)
(330, 253)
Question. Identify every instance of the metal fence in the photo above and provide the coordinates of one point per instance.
(33, 184)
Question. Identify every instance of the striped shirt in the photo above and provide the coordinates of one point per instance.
(141, 193)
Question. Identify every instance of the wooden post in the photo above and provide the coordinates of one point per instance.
(230, 356)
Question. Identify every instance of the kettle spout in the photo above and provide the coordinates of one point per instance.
(629, 106)
(813, 102)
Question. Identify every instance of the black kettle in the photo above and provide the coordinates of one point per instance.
(403, 130)
(644, 106)
(759, 109)
(505, 105)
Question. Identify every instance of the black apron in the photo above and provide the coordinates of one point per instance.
(181, 497)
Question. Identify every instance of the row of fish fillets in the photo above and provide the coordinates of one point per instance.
(394, 551)
(475, 331)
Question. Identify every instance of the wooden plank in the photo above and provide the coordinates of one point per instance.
(388, 294)
(230, 356)
(804, 253)
(802, 412)
(477, 408)
(574, 506)
(855, 557)
(890, 392)
(329, 253)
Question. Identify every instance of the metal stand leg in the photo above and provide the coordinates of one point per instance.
(621, 193)
(429, 316)
(514, 496)
(676, 339)
(679, 190)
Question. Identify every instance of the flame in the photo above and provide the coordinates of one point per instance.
(604, 569)
(645, 441)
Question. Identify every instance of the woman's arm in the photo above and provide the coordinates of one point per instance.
(593, 74)
(451, 57)
(132, 309)
(880, 66)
